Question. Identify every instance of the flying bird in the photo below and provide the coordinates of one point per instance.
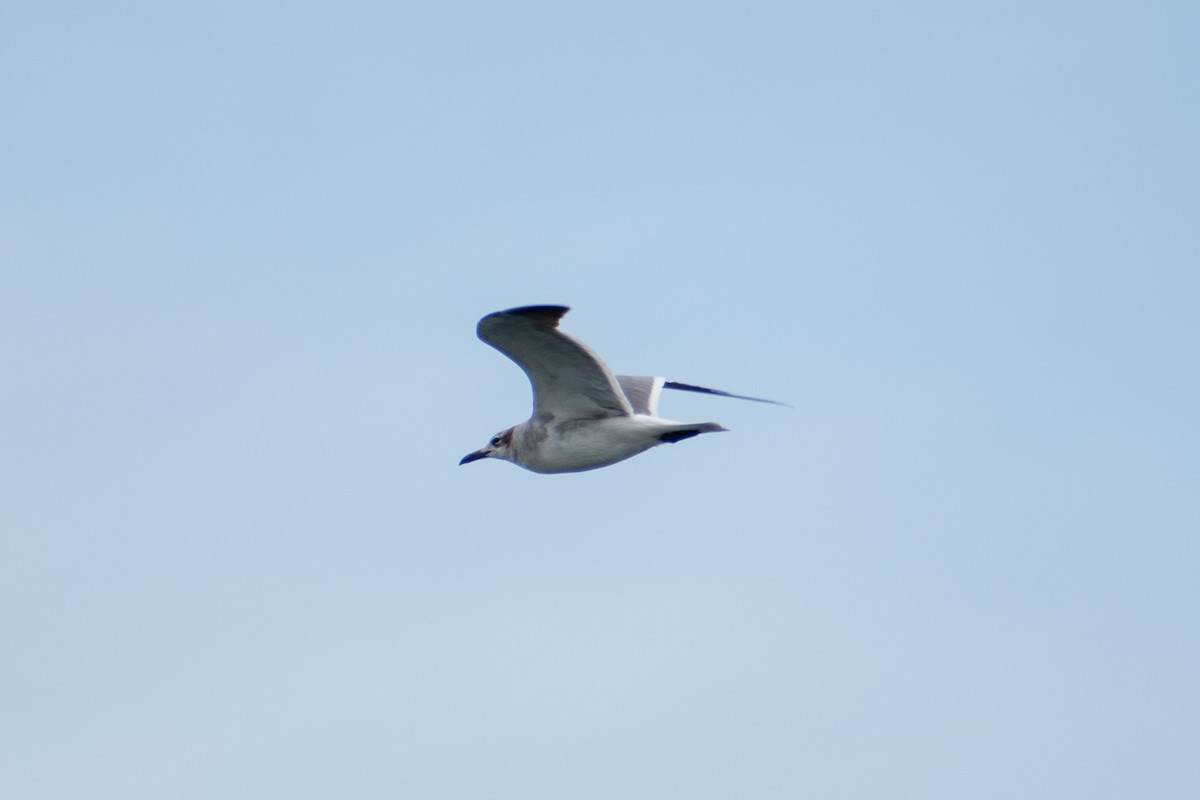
(584, 416)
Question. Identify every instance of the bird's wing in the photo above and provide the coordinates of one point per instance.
(569, 380)
(687, 387)
(642, 393)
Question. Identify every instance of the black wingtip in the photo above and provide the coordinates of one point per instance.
(687, 387)
(539, 315)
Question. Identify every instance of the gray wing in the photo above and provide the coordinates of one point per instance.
(642, 393)
(687, 387)
(569, 380)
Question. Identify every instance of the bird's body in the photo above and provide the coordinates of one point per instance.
(575, 445)
(584, 417)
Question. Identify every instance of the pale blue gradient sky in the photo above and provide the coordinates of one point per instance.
(243, 251)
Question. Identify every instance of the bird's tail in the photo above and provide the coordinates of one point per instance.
(678, 433)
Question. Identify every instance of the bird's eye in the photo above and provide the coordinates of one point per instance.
(495, 441)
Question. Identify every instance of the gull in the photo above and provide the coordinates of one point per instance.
(584, 416)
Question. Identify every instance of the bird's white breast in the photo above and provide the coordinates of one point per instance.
(578, 445)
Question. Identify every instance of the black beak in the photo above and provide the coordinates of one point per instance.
(469, 457)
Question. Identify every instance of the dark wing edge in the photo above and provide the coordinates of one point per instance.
(687, 387)
(542, 316)
(546, 317)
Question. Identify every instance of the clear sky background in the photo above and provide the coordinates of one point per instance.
(243, 248)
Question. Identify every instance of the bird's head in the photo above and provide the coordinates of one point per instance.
(500, 446)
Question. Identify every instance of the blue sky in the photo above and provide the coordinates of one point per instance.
(244, 249)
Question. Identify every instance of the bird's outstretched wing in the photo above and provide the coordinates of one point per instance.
(569, 380)
(687, 387)
(643, 392)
